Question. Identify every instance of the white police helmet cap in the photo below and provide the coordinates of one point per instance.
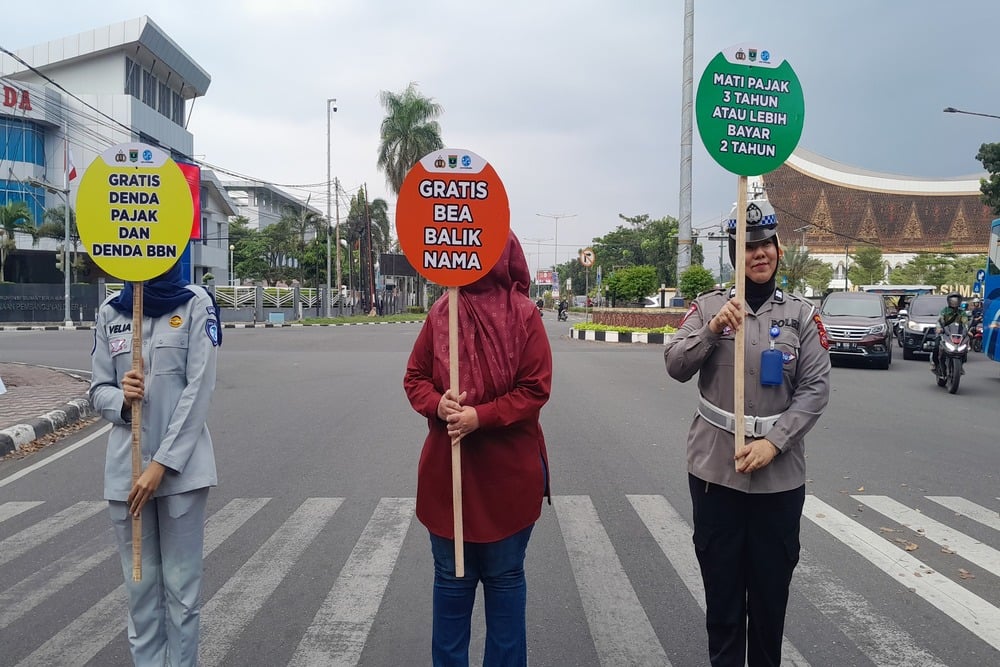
(761, 221)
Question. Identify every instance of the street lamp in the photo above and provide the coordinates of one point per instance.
(971, 113)
(538, 261)
(556, 216)
(331, 104)
(65, 195)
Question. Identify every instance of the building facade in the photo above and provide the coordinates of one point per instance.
(834, 209)
(68, 100)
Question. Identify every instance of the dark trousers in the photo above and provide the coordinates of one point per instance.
(747, 546)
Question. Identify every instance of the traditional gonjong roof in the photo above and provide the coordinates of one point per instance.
(841, 205)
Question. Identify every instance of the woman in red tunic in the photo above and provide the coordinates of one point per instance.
(505, 374)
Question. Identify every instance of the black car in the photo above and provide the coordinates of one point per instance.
(858, 326)
(922, 313)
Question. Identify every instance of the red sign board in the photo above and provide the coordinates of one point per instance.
(452, 217)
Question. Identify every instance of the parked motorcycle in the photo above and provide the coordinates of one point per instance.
(953, 351)
(976, 335)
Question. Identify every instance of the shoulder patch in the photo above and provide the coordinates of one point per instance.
(823, 340)
(691, 310)
(212, 330)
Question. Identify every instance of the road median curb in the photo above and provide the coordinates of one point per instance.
(15, 437)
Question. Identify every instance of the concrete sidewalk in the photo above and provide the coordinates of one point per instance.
(37, 402)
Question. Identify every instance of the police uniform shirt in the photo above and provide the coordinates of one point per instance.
(799, 399)
(179, 351)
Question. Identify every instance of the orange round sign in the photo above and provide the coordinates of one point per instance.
(452, 217)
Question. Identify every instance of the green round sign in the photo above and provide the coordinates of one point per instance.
(749, 109)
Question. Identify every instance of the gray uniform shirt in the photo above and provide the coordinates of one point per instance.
(179, 361)
(800, 399)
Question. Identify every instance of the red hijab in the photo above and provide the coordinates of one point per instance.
(491, 328)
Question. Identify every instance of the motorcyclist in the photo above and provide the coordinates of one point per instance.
(976, 312)
(950, 314)
(563, 306)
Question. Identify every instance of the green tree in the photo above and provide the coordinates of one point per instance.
(989, 155)
(408, 133)
(644, 241)
(963, 269)
(795, 266)
(924, 269)
(695, 280)
(819, 276)
(15, 216)
(866, 266)
(632, 283)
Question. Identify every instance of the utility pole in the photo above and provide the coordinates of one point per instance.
(556, 216)
(687, 124)
(330, 103)
(340, 297)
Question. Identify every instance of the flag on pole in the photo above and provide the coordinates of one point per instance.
(70, 167)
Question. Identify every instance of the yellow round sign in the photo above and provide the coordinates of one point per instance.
(134, 211)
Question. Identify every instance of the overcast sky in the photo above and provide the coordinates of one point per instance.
(576, 104)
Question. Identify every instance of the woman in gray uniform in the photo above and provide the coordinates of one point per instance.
(748, 500)
(180, 340)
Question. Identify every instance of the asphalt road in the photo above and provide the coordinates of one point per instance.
(314, 547)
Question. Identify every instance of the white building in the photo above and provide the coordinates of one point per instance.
(120, 83)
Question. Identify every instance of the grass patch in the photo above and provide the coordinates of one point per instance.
(591, 326)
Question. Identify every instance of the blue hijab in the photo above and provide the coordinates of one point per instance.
(162, 295)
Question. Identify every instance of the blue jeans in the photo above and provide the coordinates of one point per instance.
(500, 566)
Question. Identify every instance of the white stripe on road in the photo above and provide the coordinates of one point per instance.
(618, 624)
(968, 610)
(971, 550)
(234, 605)
(877, 637)
(983, 515)
(52, 459)
(91, 631)
(30, 592)
(340, 628)
(12, 509)
(673, 534)
(20, 543)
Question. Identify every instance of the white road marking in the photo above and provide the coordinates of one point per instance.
(618, 624)
(20, 543)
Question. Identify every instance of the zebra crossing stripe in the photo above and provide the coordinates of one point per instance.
(31, 591)
(971, 550)
(12, 509)
(618, 624)
(878, 637)
(20, 543)
(340, 628)
(983, 515)
(673, 535)
(91, 631)
(232, 607)
(967, 609)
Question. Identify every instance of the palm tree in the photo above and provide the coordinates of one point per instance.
(796, 265)
(408, 133)
(15, 216)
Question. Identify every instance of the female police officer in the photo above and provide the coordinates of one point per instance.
(746, 516)
(180, 339)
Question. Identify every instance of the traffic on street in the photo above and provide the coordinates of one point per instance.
(313, 555)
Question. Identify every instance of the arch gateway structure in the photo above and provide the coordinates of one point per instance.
(833, 209)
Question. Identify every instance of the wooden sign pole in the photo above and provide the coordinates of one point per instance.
(136, 427)
(456, 449)
(739, 338)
